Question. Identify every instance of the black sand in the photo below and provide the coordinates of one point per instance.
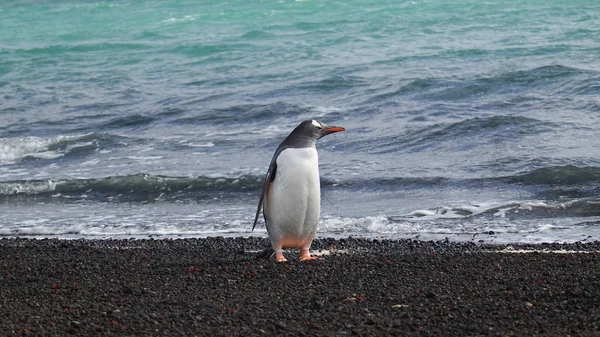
(215, 287)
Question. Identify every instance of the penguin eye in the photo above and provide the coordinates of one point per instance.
(317, 124)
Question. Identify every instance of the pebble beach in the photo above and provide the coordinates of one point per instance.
(216, 286)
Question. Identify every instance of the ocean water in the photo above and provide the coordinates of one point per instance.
(466, 119)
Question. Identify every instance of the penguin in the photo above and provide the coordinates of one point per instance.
(291, 194)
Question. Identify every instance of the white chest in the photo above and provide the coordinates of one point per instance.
(298, 166)
(293, 202)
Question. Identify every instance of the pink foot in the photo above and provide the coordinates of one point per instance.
(310, 258)
(305, 256)
(279, 257)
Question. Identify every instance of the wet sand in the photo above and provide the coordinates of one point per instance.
(216, 287)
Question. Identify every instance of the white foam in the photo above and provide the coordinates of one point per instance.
(206, 144)
(185, 18)
(92, 162)
(46, 155)
(145, 158)
(473, 209)
(501, 212)
(466, 210)
(370, 224)
(10, 188)
(423, 212)
(528, 206)
(547, 227)
(15, 149)
(91, 219)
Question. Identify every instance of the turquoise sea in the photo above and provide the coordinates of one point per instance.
(466, 120)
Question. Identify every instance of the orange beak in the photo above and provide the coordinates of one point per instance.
(332, 129)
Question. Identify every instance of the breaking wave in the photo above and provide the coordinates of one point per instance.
(24, 148)
(137, 187)
(550, 182)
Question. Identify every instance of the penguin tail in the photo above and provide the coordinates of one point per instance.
(265, 254)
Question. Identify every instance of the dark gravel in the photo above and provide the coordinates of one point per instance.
(215, 287)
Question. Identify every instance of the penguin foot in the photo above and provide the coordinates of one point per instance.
(310, 258)
(305, 256)
(279, 257)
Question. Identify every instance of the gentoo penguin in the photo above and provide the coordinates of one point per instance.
(292, 191)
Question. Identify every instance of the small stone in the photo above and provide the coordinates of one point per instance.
(400, 306)
(315, 326)
(318, 305)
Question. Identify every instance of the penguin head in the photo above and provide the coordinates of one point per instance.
(314, 129)
(307, 133)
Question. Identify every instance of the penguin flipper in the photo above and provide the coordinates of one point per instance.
(268, 179)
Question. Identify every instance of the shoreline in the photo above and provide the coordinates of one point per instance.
(167, 287)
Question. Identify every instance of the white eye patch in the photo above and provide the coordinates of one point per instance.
(315, 123)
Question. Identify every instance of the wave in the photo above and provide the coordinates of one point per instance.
(59, 49)
(560, 176)
(136, 187)
(143, 187)
(335, 83)
(256, 35)
(207, 50)
(514, 211)
(23, 148)
(246, 112)
(497, 128)
(496, 228)
(135, 120)
(478, 129)
(554, 176)
(554, 182)
(517, 83)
